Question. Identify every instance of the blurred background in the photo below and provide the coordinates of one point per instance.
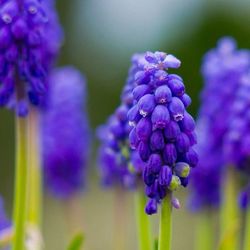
(100, 37)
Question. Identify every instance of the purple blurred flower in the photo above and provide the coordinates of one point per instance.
(118, 164)
(220, 127)
(65, 133)
(30, 38)
(163, 127)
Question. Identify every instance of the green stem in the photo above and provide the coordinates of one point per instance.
(35, 173)
(20, 196)
(165, 232)
(143, 223)
(247, 231)
(229, 213)
(204, 236)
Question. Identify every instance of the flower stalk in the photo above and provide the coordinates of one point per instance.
(247, 231)
(165, 231)
(21, 177)
(35, 173)
(143, 223)
(229, 213)
(204, 231)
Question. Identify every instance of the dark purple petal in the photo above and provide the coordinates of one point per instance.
(163, 94)
(151, 207)
(144, 129)
(176, 108)
(169, 154)
(146, 104)
(165, 176)
(160, 117)
(172, 131)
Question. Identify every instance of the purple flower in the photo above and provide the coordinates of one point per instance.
(65, 133)
(164, 129)
(118, 164)
(218, 123)
(30, 39)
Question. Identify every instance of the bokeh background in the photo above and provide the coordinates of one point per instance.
(100, 37)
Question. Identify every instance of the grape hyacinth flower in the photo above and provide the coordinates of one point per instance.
(163, 131)
(65, 133)
(30, 38)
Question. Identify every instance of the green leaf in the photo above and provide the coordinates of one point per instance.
(77, 242)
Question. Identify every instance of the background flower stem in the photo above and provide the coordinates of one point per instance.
(35, 191)
(143, 222)
(165, 231)
(247, 231)
(229, 212)
(35, 173)
(204, 236)
(20, 196)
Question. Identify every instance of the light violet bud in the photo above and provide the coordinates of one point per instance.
(176, 108)
(146, 104)
(163, 94)
(160, 117)
(171, 62)
(176, 203)
(144, 129)
(182, 169)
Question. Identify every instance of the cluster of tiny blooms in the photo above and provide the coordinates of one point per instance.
(222, 69)
(65, 133)
(162, 130)
(119, 165)
(30, 38)
(237, 138)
